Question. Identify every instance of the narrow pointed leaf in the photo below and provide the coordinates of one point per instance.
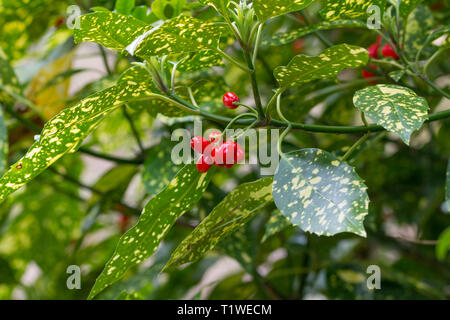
(396, 108)
(320, 193)
(349, 9)
(233, 212)
(328, 64)
(268, 9)
(159, 215)
(66, 131)
(279, 39)
(112, 30)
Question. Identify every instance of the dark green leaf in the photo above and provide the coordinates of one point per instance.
(320, 193)
(328, 64)
(394, 107)
(156, 220)
(233, 212)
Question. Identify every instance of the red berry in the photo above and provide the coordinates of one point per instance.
(214, 136)
(204, 164)
(373, 49)
(367, 74)
(228, 154)
(298, 46)
(387, 51)
(228, 100)
(123, 222)
(199, 144)
(59, 22)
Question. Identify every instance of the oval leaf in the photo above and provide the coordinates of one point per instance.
(320, 194)
(394, 107)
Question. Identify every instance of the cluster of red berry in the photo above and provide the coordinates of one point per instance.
(387, 51)
(213, 151)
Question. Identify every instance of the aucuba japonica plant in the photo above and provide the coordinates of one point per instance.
(89, 177)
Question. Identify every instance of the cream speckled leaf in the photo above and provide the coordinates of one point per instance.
(66, 131)
(3, 143)
(8, 80)
(112, 30)
(420, 25)
(276, 224)
(394, 107)
(320, 193)
(268, 9)
(279, 39)
(349, 9)
(181, 34)
(240, 205)
(328, 64)
(201, 60)
(158, 217)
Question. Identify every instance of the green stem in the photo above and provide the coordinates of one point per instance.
(233, 61)
(105, 59)
(431, 60)
(356, 146)
(255, 88)
(133, 128)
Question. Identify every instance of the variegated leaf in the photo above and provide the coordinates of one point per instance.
(158, 217)
(420, 24)
(8, 80)
(181, 34)
(394, 107)
(328, 64)
(3, 143)
(277, 223)
(233, 212)
(219, 5)
(66, 131)
(349, 9)
(407, 6)
(112, 30)
(320, 193)
(201, 60)
(268, 9)
(279, 39)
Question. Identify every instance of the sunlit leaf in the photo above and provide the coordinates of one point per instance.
(279, 39)
(166, 9)
(156, 220)
(328, 64)
(124, 6)
(320, 193)
(239, 206)
(66, 131)
(269, 9)
(349, 9)
(394, 107)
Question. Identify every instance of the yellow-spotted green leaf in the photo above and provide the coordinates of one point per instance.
(328, 64)
(239, 206)
(112, 30)
(349, 9)
(65, 132)
(443, 244)
(219, 5)
(124, 6)
(3, 143)
(179, 35)
(276, 224)
(159, 168)
(320, 193)
(201, 60)
(159, 215)
(396, 108)
(279, 39)
(268, 9)
(407, 6)
(420, 25)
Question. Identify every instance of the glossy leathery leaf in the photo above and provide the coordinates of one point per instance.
(238, 207)
(328, 64)
(179, 35)
(320, 193)
(66, 131)
(268, 9)
(158, 217)
(349, 9)
(279, 39)
(396, 108)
